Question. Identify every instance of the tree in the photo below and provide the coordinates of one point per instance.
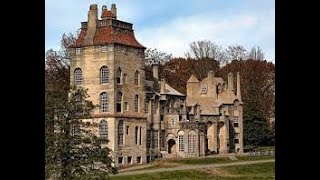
(66, 155)
(236, 52)
(66, 41)
(257, 89)
(153, 56)
(206, 49)
(256, 54)
(75, 150)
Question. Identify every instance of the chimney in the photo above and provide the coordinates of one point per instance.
(155, 71)
(238, 87)
(211, 74)
(162, 85)
(114, 10)
(92, 24)
(230, 81)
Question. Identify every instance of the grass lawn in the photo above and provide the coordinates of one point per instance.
(264, 171)
(193, 161)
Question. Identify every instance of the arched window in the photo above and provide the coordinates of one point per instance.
(103, 130)
(119, 102)
(136, 78)
(118, 77)
(120, 132)
(192, 140)
(181, 141)
(77, 76)
(136, 103)
(104, 75)
(104, 103)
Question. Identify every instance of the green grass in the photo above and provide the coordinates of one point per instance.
(249, 158)
(192, 161)
(208, 160)
(264, 171)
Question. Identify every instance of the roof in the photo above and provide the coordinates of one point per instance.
(192, 79)
(207, 105)
(107, 14)
(170, 91)
(109, 35)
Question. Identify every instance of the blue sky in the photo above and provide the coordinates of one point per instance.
(171, 25)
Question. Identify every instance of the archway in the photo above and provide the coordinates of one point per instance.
(222, 131)
(210, 136)
(171, 146)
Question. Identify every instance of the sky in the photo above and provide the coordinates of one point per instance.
(171, 25)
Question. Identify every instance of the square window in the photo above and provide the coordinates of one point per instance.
(236, 124)
(78, 51)
(120, 160)
(236, 141)
(139, 159)
(103, 48)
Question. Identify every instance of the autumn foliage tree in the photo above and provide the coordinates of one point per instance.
(258, 95)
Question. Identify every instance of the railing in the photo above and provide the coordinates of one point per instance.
(261, 153)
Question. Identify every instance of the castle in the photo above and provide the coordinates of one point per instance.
(142, 119)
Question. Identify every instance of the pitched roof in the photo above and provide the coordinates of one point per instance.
(109, 35)
(193, 79)
(170, 91)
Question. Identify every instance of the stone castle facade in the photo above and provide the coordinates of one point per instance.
(145, 119)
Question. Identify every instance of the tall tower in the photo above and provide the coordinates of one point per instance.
(107, 60)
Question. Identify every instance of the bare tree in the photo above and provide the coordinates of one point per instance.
(153, 56)
(206, 49)
(66, 41)
(236, 52)
(256, 54)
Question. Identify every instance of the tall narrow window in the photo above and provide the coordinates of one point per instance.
(125, 77)
(181, 141)
(120, 132)
(118, 77)
(103, 131)
(146, 106)
(104, 104)
(136, 135)
(75, 129)
(119, 102)
(148, 143)
(154, 106)
(78, 76)
(140, 135)
(136, 78)
(162, 138)
(155, 139)
(136, 103)
(104, 75)
(192, 140)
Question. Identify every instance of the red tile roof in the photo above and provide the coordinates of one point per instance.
(107, 14)
(109, 35)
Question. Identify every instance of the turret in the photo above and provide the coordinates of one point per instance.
(192, 86)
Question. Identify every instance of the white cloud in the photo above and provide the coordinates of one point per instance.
(174, 36)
